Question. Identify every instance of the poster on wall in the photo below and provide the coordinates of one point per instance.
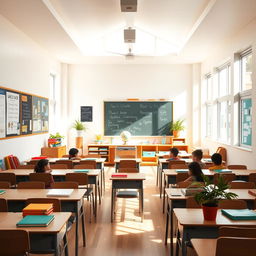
(86, 113)
(26, 114)
(2, 113)
(12, 113)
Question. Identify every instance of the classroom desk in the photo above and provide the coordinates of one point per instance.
(132, 181)
(46, 239)
(59, 175)
(191, 224)
(180, 202)
(117, 161)
(16, 199)
(204, 247)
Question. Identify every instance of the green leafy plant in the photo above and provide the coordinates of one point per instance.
(79, 126)
(177, 125)
(56, 136)
(212, 194)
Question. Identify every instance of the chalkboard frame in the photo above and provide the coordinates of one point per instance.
(140, 101)
(81, 115)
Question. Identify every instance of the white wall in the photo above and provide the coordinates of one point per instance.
(26, 67)
(92, 84)
(238, 42)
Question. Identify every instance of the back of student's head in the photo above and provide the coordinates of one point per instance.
(73, 152)
(196, 171)
(174, 151)
(40, 166)
(217, 159)
(198, 153)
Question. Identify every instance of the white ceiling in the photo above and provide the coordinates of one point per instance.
(181, 31)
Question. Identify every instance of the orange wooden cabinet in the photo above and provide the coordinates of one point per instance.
(54, 152)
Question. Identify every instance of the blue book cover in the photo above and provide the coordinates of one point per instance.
(82, 171)
(223, 171)
(35, 221)
(2, 191)
(243, 214)
(181, 170)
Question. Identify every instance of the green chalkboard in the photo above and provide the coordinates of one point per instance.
(140, 118)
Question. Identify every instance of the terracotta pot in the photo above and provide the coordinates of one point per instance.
(210, 212)
(176, 134)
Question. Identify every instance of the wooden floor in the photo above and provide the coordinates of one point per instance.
(127, 236)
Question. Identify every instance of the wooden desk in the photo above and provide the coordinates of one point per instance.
(204, 247)
(117, 162)
(45, 239)
(191, 224)
(16, 199)
(132, 181)
(180, 202)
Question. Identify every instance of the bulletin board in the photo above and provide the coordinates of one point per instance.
(22, 114)
(246, 122)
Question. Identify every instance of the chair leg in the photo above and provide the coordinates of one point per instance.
(83, 226)
(166, 227)
(65, 244)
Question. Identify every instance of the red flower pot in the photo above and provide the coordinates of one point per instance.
(210, 212)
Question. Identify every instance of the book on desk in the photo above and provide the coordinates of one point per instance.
(35, 221)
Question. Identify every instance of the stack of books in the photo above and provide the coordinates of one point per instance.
(37, 209)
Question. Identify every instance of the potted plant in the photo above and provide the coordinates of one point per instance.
(55, 140)
(210, 196)
(79, 127)
(176, 127)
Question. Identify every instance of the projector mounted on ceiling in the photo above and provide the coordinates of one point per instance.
(129, 35)
(129, 5)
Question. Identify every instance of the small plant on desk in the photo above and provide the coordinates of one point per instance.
(177, 127)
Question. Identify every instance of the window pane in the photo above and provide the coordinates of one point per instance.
(223, 82)
(208, 120)
(246, 122)
(246, 70)
(209, 88)
(223, 121)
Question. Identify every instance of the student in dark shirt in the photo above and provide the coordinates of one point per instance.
(197, 156)
(174, 154)
(43, 166)
(73, 152)
(195, 172)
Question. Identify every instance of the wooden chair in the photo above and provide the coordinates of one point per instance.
(227, 177)
(84, 166)
(241, 185)
(20, 240)
(54, 201)
(175, 162)
(91, 156)
(46, 178)
(181, 176)
(68, 163)
(223, 152)
(252, 177)
(65, 184)
(28, 166)
(237, 232)
(128, 170)
(90, 163)
(235, 246)
(184, 184)
(127, 164)
(59, 166)
(237, 167)
(232, 204)
(31, 185)
(5, 185)
(3, 205)
(191, 203)
(8, 177)
(65, 156)
(179, 166)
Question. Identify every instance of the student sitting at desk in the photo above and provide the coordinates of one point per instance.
(174, 155)
(217, 162)
(197, 156)
(195, 173)
(43, 166)
(73, 152)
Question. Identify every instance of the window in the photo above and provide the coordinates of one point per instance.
(246, 70)
(246, 122)
(52, 103)
(208, 120)
(224, 121)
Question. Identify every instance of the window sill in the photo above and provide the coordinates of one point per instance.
(243, 148)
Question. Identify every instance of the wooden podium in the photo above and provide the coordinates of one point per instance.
(56, 152)
(79, 144)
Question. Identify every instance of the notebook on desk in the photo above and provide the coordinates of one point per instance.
(2, 191)
(60, 192)
(223, 171)
(176, 192)
(35, 221)
(252, 192)
(89, 159)
(181, 170)
(243, 214)
(119, 175)
(81, 171)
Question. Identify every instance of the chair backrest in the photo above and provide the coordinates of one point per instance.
(31, 185)
(232, 204)
(181, 176)
(3, 205)
(85, 166)
(89, 162)
(54, 201)
(65, 184)
(69, 163)
(241, 185)
(235, 246)
(9, 177)
(20, 239)
(80, 178)
(127, 164)
(65, 156)
(5, 184)
(237, 232)
(184, 184)
(28, 166)
(223, 152)
(191, 203)
(237, 167)
(227, 177)
(42, 177)
(175, 162)
(128, 170)
(179, 166)
(252, 177)
(91, 156)
(59, 166)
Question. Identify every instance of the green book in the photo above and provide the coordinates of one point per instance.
(244, 214)
(89, 159)
(181, 170)
(82, 171)
(35, 221)
(223, 171)
(2, 191)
